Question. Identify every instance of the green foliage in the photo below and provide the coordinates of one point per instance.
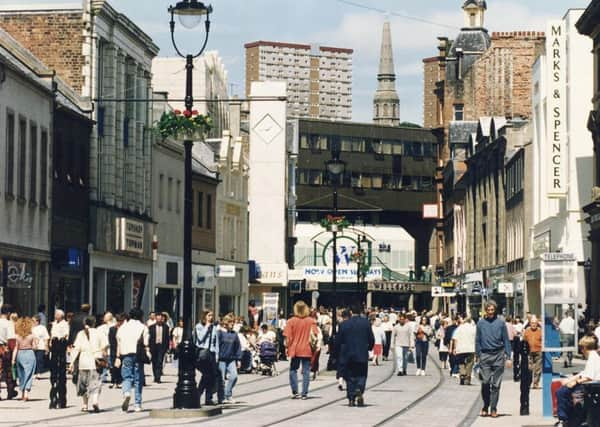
(178, 125)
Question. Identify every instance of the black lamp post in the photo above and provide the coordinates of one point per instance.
(587, 266)
(361, 266)
(190, 13)
(336, 168)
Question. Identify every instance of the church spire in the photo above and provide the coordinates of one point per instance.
(386, 103)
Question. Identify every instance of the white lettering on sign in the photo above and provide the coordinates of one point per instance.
(556, 104)
(130, 235)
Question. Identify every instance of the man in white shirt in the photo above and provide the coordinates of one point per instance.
(131, 370)
(564, 395)
(566, 329)
(7, 332)
(59, 340)
(463, 347)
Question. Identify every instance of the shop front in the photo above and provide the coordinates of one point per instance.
(68, 289)
(24, 279)
(203, 283)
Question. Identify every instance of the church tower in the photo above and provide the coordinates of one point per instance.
(386, 103)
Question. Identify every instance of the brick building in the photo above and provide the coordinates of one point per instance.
(105, 57)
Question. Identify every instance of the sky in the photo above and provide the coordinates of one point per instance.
(339, 23)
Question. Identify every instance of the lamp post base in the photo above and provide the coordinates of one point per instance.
(186, 393)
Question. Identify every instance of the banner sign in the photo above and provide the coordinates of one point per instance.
(130, 235)
(556, 114)
(18, 274)
(343, 274)
(225, 270)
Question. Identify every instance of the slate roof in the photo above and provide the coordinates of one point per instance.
(203, 160)
(471, 40)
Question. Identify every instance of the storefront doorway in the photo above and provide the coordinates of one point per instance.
(168, 300)
(115, 291)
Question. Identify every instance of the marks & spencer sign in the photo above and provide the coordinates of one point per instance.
(556, 114)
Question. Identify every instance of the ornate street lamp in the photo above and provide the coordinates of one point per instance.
(335, 168)
(190, 13)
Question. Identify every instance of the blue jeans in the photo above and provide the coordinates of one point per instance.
(564, 401)
(294, 365)
(133, 376)
(228, 379)
(422, 348)
(25, 368)
(401, 358)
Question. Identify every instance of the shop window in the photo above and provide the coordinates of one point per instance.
(10, 153)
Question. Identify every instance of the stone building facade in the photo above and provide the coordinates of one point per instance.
(105, 57)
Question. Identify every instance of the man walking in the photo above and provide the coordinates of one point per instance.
(403, 341)
(7, 334)
(159, 344)
(132, 369)
(298, 342)
(493, 349)
(533, 336)
(354, 340)
(77, 322)
(463, 345)
(59, 337)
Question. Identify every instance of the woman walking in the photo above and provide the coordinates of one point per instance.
(23, 355)
(230, 354)
(440, 336)
(115, 372)
(423, 333)
(89, 350)
(379, 334)
(207, 343)
(388, 327)
(41, 349)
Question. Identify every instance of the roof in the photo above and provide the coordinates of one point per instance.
(203, 160)
(459, 131)
(471, 40)
(296, 46)
(590, 20)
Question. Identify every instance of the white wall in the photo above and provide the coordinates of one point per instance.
(267, 185)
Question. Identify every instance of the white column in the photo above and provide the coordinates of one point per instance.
(120, 115)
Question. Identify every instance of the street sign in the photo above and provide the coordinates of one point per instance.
(505, 287)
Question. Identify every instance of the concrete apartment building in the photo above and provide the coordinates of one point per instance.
(319, 78)
(103, 55)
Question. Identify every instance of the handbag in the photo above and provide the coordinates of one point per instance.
(203, 355)
(140, 351)
(101, 363)
(75, 375)
(410, 357)
(313, 341)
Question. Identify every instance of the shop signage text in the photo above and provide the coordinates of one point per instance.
(556, 57)
(391, 286)
(130, 235)
(273, 273)
(343, 274)
(225, 270)
(17, 274)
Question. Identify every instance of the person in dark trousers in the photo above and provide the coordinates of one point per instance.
(115, 373)
(492, 346)
(159, 345)
(7, 341)
(230, 353)
(59, 339)
(77, 322)
(522, 357)
(355, 339)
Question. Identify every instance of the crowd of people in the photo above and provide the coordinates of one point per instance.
(116, 351)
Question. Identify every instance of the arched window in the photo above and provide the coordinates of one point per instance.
(385, 110)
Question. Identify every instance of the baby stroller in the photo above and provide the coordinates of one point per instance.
(268, 356)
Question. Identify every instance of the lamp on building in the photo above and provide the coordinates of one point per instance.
(587, 266)
(335, 168)
(190, 13)
(423, 273)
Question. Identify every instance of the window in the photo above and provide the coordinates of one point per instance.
(170, 194)
(172, 273)
(10, 153)
(377, 181)
(209, 211)
(161, 190)
(22, 156)
(459, 110)
(83, 163)
(315, 177)
(178, 196)
(44, 168)
(33, 160)
(200, 208)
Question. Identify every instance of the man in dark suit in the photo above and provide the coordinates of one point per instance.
(77, 322)
(354, 340)
(159, 344)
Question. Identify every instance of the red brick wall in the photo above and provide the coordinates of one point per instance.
(55, 39)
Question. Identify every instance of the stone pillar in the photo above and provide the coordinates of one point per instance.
(148, 147)
(109, 74)
(130, 153)
(140, 120)
(120, 115)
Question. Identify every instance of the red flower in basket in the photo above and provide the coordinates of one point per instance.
(177, 112)
(187, 113)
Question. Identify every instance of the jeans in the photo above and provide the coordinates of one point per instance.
(490, 374)
(356, 378)
(401, 358)
(564, 401)
(422, 348)
(228, 378)
(294, 365)
(25, 368)
(133, 377)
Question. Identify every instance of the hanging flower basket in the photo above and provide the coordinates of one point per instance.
(183, 125)
(334, 223)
